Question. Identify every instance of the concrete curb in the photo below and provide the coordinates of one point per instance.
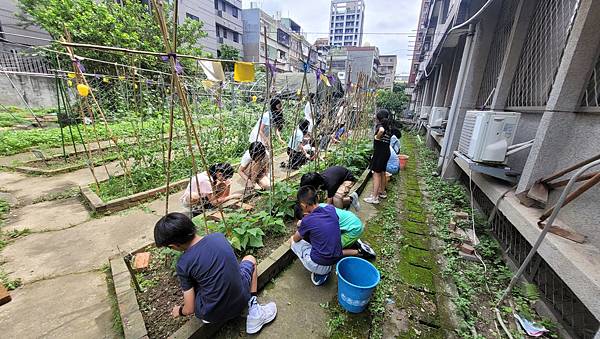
(96, 204)
(131, 317)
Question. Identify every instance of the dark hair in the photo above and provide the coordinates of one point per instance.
(397, 133)
(174, 229)
(278, 120)
(298, 213)
(303, 126)
(273, 104)
(224, 168)
(313, 179)
(307, 195)
(383, 116)
(257, 151)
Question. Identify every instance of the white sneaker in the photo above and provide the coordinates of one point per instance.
(355, 203)
(259, 315)
(371, 200)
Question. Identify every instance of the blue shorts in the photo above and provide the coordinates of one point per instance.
(246, 270)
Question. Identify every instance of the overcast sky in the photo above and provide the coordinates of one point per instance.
(381, 16)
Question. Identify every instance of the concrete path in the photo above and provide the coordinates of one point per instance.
(64, 292)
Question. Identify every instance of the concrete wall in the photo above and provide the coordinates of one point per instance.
(38, 91)
(528, 125)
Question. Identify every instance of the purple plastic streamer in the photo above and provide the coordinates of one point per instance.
(178, 67)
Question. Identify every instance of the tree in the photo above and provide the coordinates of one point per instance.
(128, 25)
(394, 102)
(227, 52)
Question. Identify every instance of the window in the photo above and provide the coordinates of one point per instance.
(234, 11)
(337, 38)
(349, 44)
(192, 16)
(236, 37)
(349, 30)
(339, 24)
(225, 33)
(339, 31)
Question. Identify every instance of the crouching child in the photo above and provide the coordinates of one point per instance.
(317, 242)
(216, 288)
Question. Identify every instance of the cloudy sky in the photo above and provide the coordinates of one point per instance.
(381, 16)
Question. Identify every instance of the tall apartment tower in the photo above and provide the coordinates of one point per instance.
(346, 22)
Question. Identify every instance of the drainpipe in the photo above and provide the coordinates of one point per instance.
(458, 92)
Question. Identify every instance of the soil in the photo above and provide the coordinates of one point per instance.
(71, 161)
(161, 290)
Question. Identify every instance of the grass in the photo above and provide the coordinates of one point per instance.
(114, 305)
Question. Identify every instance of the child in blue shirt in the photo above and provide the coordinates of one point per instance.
(323, 232)
(215, 287)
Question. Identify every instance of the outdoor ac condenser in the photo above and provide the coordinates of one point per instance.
(437, 116)
(425, 112)
(486, 135)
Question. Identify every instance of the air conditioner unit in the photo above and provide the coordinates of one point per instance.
(220, 40)
(486, 135)
(437, 116)
(220, 13)
(425, 110)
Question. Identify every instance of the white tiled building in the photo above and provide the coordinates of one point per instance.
(346, 22)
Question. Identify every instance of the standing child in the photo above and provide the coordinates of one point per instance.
(215, 287)
(393, 164)
(317, 242)
(381, 155)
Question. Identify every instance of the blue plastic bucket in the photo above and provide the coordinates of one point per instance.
(357, 278)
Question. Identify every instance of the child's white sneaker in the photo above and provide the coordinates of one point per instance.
(371, 200)
(259, 315)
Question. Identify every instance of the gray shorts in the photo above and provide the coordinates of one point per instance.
(302, 249)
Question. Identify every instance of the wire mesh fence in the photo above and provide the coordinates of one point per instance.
(542, 52)
(591, 96)
(23, 61)
(496, 56)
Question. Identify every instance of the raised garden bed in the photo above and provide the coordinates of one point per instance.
(98, 205)
(147, 313)
(56, 164)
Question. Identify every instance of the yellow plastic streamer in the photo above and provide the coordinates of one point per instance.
(243, 72)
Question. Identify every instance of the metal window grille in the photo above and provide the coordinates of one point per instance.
(23, 62)
(496, 56)
(591, 96)
(542, 52)
(565, 305)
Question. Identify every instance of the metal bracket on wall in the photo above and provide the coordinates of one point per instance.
(502, 173)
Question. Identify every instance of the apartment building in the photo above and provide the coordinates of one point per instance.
(346, 23)
(387, 70)
(350, 62)
(541, 59)
(286, 45)
(418, 50)
(222, 22)
(9, 23)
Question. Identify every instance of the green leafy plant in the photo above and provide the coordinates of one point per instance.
(241, 229)
(282, 201)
